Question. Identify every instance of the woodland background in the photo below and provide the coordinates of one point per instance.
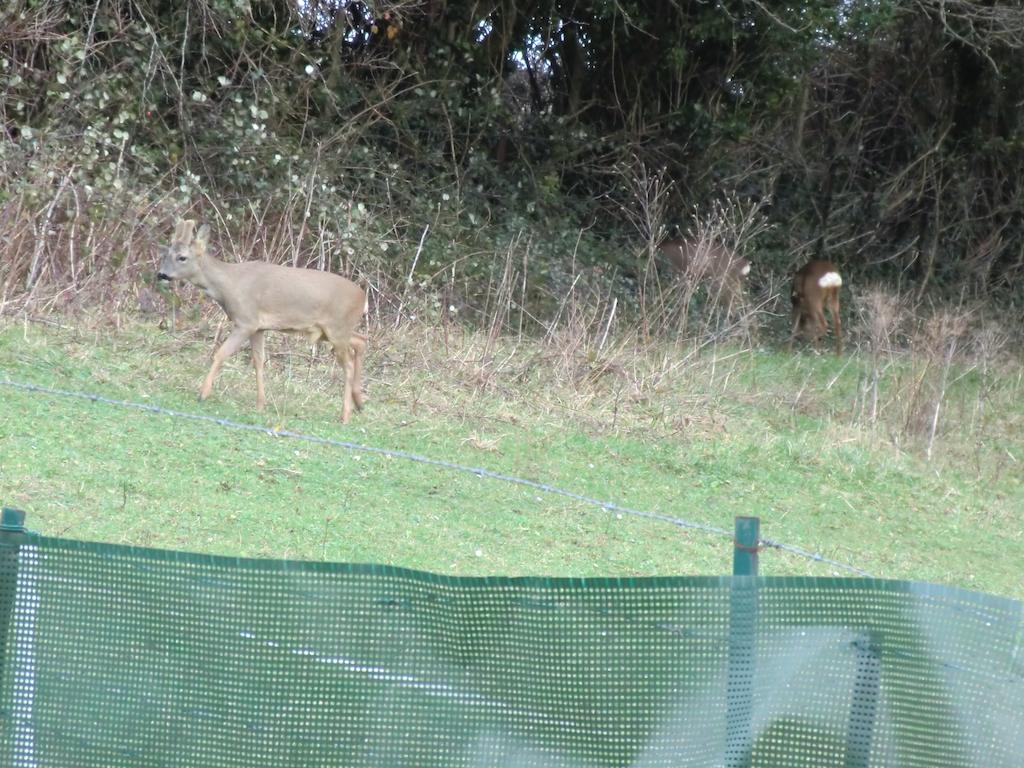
(454, 146)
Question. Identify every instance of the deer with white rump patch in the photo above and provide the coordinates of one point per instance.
(718, 266)
(258, 296)
(816, 286)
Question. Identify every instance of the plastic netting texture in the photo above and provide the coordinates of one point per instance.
(113, 656)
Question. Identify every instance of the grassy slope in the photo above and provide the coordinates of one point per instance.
(724, 436)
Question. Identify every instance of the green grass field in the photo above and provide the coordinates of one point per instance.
(803, 441)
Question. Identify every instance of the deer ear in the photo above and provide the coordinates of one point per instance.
(183, 231)
(203, 236)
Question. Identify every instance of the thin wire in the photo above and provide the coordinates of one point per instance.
(770, 544)
(398, 454)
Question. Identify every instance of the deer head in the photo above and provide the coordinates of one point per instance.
(182, 259)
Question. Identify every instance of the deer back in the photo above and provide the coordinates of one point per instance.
(276, 297)
(704, 261)
(814, 282)
(717, 266)
(261, 295)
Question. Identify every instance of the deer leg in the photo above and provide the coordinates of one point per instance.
(258, 358)
(345, 344)
(733, 291)
(345, 356)
(358, 344)
(797, 317)
(818, 326)
(833, 309)
(232, 344)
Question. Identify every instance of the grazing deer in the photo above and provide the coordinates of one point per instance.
(816, 286)
(720, 267)
(258, 296)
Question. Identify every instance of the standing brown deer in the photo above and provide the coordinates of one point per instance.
(719, 267)
(816, 286)
(258, 296)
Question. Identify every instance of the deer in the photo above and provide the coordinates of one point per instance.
(816, 286)
(720, 267)
(258, 296)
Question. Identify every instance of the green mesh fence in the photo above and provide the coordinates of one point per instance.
(114, 656)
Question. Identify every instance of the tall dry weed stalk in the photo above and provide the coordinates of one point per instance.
(881, 314)
(734, 224)
(989, 346)
(683, 306)
(649, 192)
(936, 345)
(501, 297)
(581, 341)
(917, 356)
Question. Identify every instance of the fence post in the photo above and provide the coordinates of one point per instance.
(18, 605)
(739, 696)
(12, 532)
(12, 536)
(861, 726)
(745, 543)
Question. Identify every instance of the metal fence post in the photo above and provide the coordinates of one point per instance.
(739, 696)
(12, 533)
(861, 726)
(12, 536)
(745, 545)
(17, 641)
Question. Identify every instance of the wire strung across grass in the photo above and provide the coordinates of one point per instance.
(398, 454)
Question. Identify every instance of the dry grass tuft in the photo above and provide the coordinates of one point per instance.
(882, 316)
(917, 357)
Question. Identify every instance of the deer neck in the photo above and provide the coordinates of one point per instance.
(215, 279)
